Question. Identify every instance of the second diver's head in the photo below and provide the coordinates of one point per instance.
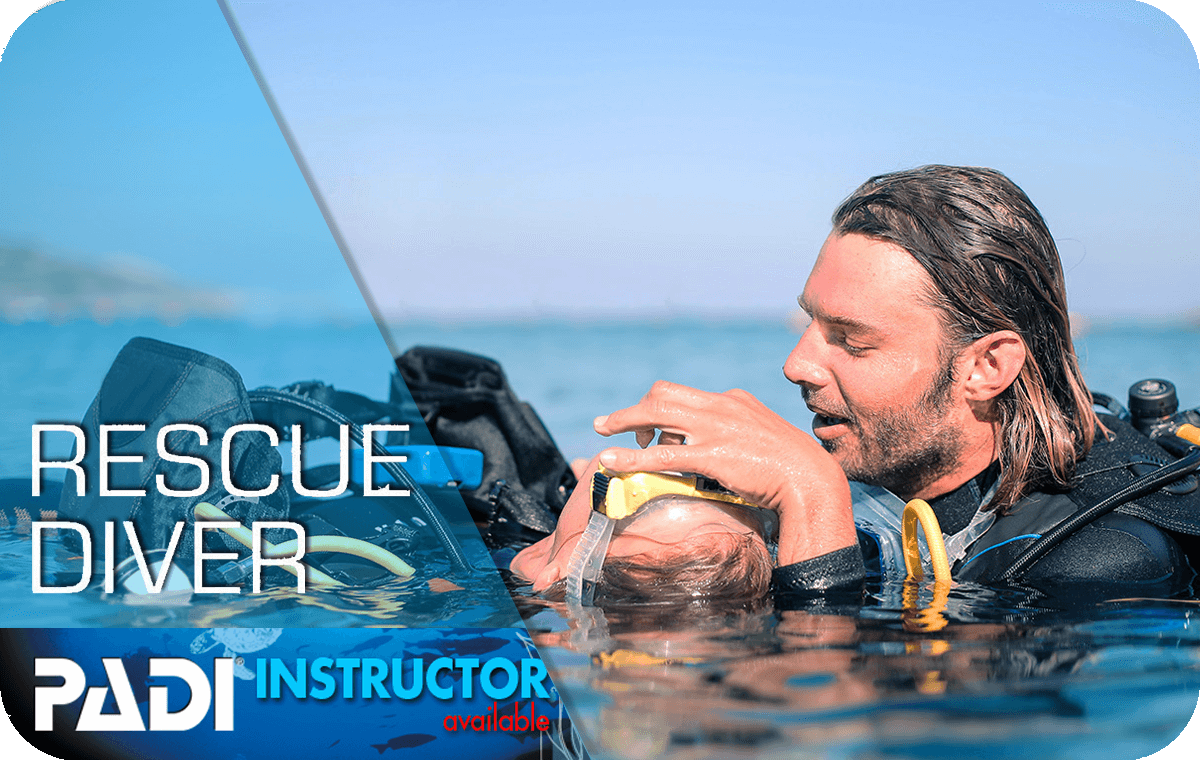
(673, 549)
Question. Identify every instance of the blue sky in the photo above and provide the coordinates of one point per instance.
(136, 130)
(521, 159)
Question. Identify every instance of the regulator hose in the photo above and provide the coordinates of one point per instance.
(1146, 484)
(438, 523)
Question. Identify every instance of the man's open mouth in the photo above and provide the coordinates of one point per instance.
(826, 420)
(827, 426)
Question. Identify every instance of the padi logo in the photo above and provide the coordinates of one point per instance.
(127, 716)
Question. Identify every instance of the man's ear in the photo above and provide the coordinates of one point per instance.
(995, 362)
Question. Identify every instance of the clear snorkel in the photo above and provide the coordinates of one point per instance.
(583, 570)
(616, 497)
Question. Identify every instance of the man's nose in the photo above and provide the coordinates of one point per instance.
(804, 365)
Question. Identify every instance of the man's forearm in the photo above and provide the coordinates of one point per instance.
(815, 518)
(837, 576)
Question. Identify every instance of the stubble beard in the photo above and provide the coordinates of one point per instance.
(904, 451)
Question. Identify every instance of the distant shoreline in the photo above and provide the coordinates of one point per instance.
(1081, 324)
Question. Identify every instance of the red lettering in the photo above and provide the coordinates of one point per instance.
(493, 720)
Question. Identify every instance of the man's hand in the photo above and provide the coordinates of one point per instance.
(736, 439)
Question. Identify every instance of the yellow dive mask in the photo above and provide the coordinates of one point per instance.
(616, 496)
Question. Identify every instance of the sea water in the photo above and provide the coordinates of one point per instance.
(569, 372)
(988, 674)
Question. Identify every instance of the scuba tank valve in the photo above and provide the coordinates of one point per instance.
(1154, 411)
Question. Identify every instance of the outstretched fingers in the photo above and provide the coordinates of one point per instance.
(736, 439)
(655, 459)
(667, 407)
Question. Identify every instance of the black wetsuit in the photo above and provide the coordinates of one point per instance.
(1134, 550)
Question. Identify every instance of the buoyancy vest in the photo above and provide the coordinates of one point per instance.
(465, 400)
(1139, 537)
(1130, 542)
(151, 385)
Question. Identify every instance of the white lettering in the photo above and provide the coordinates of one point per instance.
(105, 458)
(110, 553)
(370, 458)
(153, 586)
(202, 695)
(343, 464)
(38, 527)
(46, 697)
(260, 559)
(200, 698)
(126, 718)
(170, 456)
(223, 710)
(72, 464)
(226, 445)
(200, 555)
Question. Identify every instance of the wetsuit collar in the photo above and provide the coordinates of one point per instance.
(955, 509)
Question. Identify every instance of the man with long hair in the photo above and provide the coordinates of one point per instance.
(940, 366)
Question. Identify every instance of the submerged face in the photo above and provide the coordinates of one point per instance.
(660, 534)
(872, 366)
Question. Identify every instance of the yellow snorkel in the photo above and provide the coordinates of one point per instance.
(918, 512)
(617, 496)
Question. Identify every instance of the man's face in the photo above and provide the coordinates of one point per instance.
(871, 365)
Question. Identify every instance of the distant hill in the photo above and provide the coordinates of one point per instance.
(35, 286)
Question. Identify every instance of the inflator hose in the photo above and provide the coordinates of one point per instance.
(347, 545)
(1148, 483)
(243, 536)
(457, 558)
(312, 545)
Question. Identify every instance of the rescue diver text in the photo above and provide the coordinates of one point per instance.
(199, 555)
(370, 458)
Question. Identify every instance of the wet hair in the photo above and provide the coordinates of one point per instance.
(728, 566)
(994, 266)
(726, 569)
